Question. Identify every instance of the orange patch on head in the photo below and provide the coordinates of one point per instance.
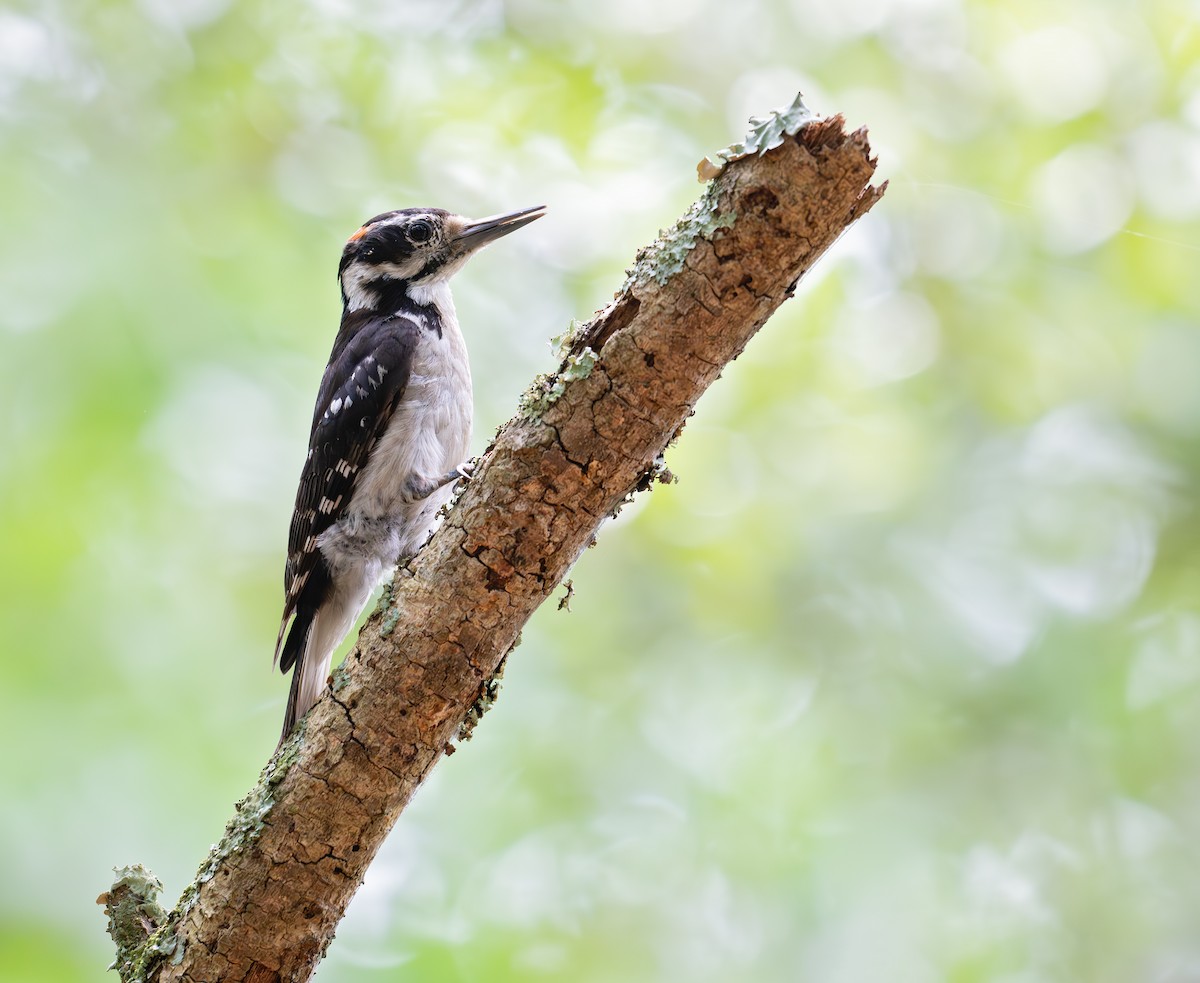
(359, 234)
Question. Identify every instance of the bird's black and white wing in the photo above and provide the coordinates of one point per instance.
(359, 391)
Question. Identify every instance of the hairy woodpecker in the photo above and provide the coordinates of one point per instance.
(390, 429)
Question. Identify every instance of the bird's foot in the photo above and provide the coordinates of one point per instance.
(419, 488)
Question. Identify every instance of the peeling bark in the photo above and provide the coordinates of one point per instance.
(265, 904)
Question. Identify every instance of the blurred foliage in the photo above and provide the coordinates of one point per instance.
(899, 682)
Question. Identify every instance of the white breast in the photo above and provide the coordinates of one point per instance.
(430, 429)
(428, 436)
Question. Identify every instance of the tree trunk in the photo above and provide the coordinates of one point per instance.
(267, 901)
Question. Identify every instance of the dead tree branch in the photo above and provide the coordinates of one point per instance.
(267, 901)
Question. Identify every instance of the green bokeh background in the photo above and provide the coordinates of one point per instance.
(900, 682)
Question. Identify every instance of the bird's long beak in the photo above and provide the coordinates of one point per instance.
(482, 231)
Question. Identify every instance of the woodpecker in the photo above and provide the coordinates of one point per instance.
(390, 429)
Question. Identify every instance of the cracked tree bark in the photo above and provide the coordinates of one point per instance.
(267, 901)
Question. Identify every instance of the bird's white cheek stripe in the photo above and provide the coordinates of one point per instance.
(357, 277)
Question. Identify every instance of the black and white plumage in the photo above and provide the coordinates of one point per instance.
(390, 430)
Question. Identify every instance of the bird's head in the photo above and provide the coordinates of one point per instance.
(415, 249)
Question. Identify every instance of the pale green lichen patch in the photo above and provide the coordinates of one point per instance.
(163, 944)
(385, 608)
(488, 694)
(386, 596)
(534, 402)
(563, 343)
(487, 698)
(547, 388)
(247, 823)
(391, 618)
(243, 829)
(666, 256)
(136, 922)
(578, 366)
(766, 133)
(340, 677)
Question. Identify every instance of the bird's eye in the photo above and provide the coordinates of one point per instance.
(420, 231)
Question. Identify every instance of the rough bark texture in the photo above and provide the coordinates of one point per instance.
(265, 905)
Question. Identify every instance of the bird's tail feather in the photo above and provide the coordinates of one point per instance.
(309, 665)
(314, 636)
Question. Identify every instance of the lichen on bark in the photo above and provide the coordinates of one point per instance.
(666, 256)
(136, 922)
